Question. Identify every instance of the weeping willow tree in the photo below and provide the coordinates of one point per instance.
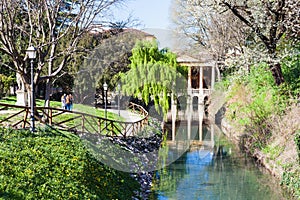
(154, 74)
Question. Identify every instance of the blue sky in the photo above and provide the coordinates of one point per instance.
(151, 13)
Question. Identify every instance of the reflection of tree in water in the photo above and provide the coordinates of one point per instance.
(225, 174)
(168, 178)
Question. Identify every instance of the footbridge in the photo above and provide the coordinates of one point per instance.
(18, 117)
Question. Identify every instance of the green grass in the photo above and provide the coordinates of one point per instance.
(76, 107)
(50, 164)
(273, 151)
(76, 122)
(39, 102)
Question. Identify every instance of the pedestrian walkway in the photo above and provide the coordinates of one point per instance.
(127, 115)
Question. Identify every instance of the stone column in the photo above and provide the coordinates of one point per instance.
(201, 79)
(200, 113)
(189, 112)
(213, 76)
(173, 113)
(189, 80)
(189, 109)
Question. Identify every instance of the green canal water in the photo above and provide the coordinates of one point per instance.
(220, 172)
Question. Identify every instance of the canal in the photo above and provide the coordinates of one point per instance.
(215, 170)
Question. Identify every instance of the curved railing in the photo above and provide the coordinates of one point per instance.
(18, 117)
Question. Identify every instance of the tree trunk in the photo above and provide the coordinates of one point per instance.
(47, 93)
(277, 73)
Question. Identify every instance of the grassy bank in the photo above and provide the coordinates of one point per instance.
(264, 118)
(76, 107)
(56, 165)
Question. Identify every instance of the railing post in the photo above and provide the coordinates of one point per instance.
(112, 128)
(25, 118)
(99, 126)
(82, 123)
(50, 117)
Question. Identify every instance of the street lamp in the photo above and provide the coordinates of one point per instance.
(105, 99)
(119, 90)
(31, 53)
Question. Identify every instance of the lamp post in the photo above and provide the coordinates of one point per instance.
(31, 53)
(119, 91)
(105, 99)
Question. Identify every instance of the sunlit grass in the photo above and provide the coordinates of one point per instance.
(63, 117)
(76, 107)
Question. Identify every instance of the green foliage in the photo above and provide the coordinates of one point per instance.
(290, 177)
(56, 165)
(5, 83)
(273, 151)
(256, 98)
(109, 57)
(5, 61)
(292, 181)
(253, 100)
(260, 78)
(152, 75)
(291, 72)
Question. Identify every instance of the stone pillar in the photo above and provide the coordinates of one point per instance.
(189, 80)
(213, 76)
(189, 109)
(200, 103)
(189, 112)
(174, 113)
(200, 113)
(201, 79)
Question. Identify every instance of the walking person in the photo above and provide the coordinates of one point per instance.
(63, 101)
(68, 102)
(71, 101)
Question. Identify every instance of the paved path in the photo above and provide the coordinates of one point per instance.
(126, 114)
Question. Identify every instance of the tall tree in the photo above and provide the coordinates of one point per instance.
(153, 75)
(270, 24)
(108, 58)
(207, 29)
(267, 20)
(46, 24)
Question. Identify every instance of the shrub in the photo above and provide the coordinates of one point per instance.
(55, 165)
(253, 99)
(291, 72)
(292, 181)
(5, 83)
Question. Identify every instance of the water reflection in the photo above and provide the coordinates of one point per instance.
(214, 173)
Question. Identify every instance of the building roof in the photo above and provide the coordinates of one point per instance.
(192, 62)
(187, 59)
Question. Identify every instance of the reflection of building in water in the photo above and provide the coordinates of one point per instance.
(192, 105)
(196, 141)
